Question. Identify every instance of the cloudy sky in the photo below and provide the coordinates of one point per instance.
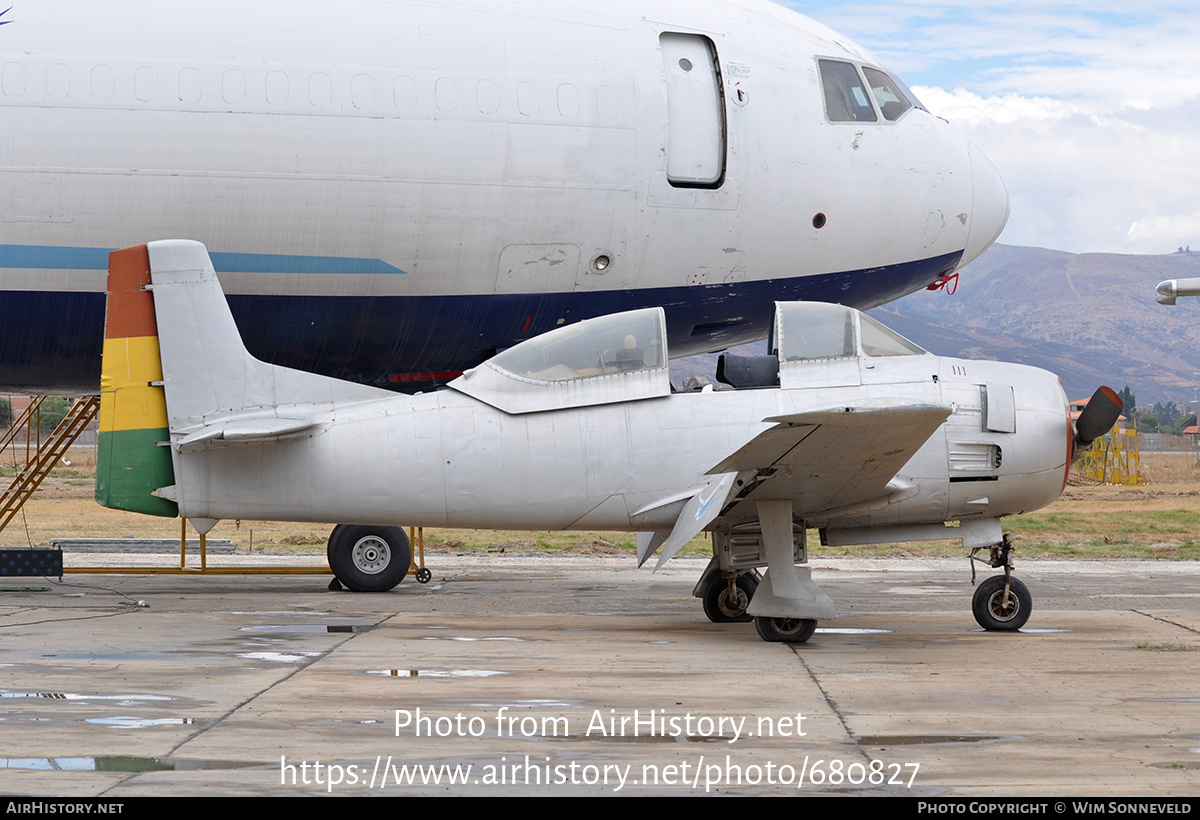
(1091, 110)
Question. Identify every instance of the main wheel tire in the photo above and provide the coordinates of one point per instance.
(329, 545)
(369, 559)
(785, 630)
(721, 607)
(990, 609)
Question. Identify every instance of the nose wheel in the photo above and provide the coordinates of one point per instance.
(1002, 604)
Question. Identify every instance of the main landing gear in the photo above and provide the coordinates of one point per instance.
(726, 595)
(726, 598)
(1001, 603)
(785, 630)
(368, 558)
(784, 603)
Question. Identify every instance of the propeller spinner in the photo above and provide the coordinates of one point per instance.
(1097, 418)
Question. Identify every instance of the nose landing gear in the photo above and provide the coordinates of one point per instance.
(1001, 603)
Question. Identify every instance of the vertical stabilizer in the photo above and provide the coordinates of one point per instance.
(212, 380)
(130, 464)
(207, 369)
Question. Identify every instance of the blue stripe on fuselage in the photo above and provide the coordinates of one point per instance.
(50, 341)
(54, 257)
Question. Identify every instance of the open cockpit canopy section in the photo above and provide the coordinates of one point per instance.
(806, 331)
(621, 357)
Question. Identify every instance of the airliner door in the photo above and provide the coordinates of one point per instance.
(695, 113)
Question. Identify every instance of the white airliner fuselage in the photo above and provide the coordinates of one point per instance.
(392, 191)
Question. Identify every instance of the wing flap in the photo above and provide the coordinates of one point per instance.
(701, 510)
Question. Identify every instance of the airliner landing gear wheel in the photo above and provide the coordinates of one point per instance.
(993, 612)
(721, 607)
(367, 558)
(785, 630)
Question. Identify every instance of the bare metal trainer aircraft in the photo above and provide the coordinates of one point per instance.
(845, 426)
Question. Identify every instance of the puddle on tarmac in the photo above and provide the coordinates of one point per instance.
(123, 699)
(124, 722)
(923, 740)
(460, 638)
(279, 657)
(319, 628)
(116, 763)
(422, 626)
(526, 703)
(307, 613)
(1023, 630)
(436, 673)
(596, 737)
(849, 630)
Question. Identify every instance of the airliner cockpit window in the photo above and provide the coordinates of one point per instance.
(907, 92)
(620, 343)
(846, 97)
(891, 100)
(878, 340)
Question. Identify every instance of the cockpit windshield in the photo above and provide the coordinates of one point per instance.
(847, 99)
(817, 330)
(620, 343)
(888, 96)
(878, 340)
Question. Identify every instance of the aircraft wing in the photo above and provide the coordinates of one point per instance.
(832, 458)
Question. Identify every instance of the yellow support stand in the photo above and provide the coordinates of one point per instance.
(1113, 459)
(416, 538)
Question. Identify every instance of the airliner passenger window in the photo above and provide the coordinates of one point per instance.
(890, 98)
(846, 98)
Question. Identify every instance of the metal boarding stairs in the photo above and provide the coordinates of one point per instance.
(40, 455)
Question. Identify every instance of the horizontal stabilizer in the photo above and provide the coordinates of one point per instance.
(245, 431)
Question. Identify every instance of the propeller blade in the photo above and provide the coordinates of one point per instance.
(1098, 417)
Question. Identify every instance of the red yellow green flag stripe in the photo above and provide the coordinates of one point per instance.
(131, 464)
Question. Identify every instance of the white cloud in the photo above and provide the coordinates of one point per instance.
(1161, 229)
(1083, 177)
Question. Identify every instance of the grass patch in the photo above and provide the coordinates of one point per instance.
(1165, 647)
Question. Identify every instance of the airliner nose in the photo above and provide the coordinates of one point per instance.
(989, 206)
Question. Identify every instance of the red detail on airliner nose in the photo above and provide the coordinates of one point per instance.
(948, 283)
